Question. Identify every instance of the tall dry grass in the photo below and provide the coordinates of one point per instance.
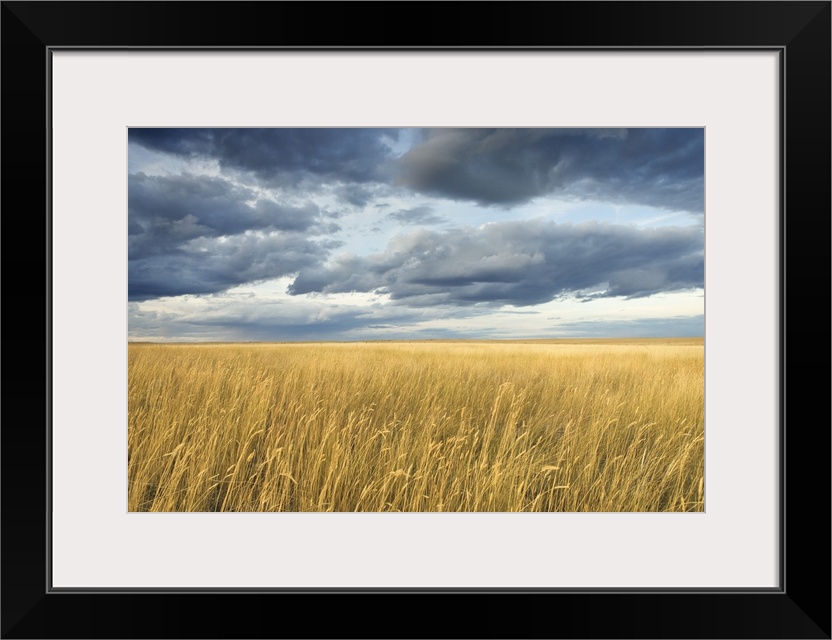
(448, 426)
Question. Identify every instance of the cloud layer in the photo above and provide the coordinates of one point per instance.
(656, 167)
(661, 167)
(437, 231)
(279, 156)
(518, 263)
(202, 234)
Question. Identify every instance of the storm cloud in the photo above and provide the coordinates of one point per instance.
(520, 264)
(210, 265)
(279, 156)
(202, 234)
(658, 167)
(662, 168)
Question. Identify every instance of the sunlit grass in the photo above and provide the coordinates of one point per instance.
(417, 426)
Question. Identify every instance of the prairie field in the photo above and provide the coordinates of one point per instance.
(538, 425)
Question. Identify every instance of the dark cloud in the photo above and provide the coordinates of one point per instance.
(279, 155)
(660, 167)
(200, 234)
(354, 194)
(519, 263)
(210, 265)
(656, 167)
(416, 215)
(165, 210)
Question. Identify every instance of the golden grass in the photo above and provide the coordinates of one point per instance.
(417, 426)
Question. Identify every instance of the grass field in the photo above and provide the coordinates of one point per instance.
(539, 425)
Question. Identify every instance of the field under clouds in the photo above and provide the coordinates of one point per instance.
(408, 319)
(289, 234)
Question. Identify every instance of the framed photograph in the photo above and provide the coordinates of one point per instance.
(444, 209)
(416, 320)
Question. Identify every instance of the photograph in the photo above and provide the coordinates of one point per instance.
(416, 319)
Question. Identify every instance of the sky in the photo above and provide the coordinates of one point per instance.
(319, 234)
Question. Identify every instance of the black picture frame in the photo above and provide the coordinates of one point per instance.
(800, 608)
